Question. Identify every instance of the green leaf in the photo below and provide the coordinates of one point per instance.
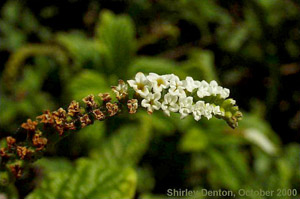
(89, 137)
(88, 179)
(232, 38)
(54, 164)
(222, 172)
(126, 146)
(146, 180)
(11, 11)
(206, 10)
(162, 124)
(87, 82)
(156, 65)
(84, 51)
(193, 140)
(117, 34)
(152, 196)
(201, 65)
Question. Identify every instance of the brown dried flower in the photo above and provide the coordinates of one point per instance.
(85, 120)
(73, 108)
(46, 118)
(70, 126)
(60, 129)
(132, 105)
(99, 115)
(39, 142)
(22, 152)
(59, 116)
(3, 152)
(105, 97)
(10, 141)
(112, 108)
(16, 170)
(29, 125)
(90, 101)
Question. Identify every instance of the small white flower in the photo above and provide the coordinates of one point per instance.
(225, 93)
(189, 84)
(216, 110)
(120, 90)
(177, 95)
(168, 77)
(186, 106)
(122, 87)
(198, 110)
(203, 89)
(176, 86)
(170, 104)
(197, 83)
(141, 84)
(214, 88)
(208, 111)
(158, 82)
(151, 102)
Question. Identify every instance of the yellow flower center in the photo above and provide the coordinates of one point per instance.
(140, 86)
(159, 81)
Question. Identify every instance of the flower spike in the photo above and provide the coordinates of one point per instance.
(189, 96)
(153, 92)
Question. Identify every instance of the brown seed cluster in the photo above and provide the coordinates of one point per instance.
(10, 141)
(39, 142)
(46, 118)
(22, 151)
(57, 119)
(85, 120)
(90, 101)
(132, 105)
(70, 126)
(112, 108)
(73, 109)
(59, 116)
(16, 170)
(3, 152)
(61, 120)
(99, 115)
(29, 125)
(105, 97)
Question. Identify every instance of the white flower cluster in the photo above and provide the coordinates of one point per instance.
(177, 97)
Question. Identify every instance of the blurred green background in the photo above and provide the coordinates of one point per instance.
(54, 51)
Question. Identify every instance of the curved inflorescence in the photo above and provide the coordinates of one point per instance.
(153, 92)
(199, 98)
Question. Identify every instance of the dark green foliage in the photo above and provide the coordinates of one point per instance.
(251, 47)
